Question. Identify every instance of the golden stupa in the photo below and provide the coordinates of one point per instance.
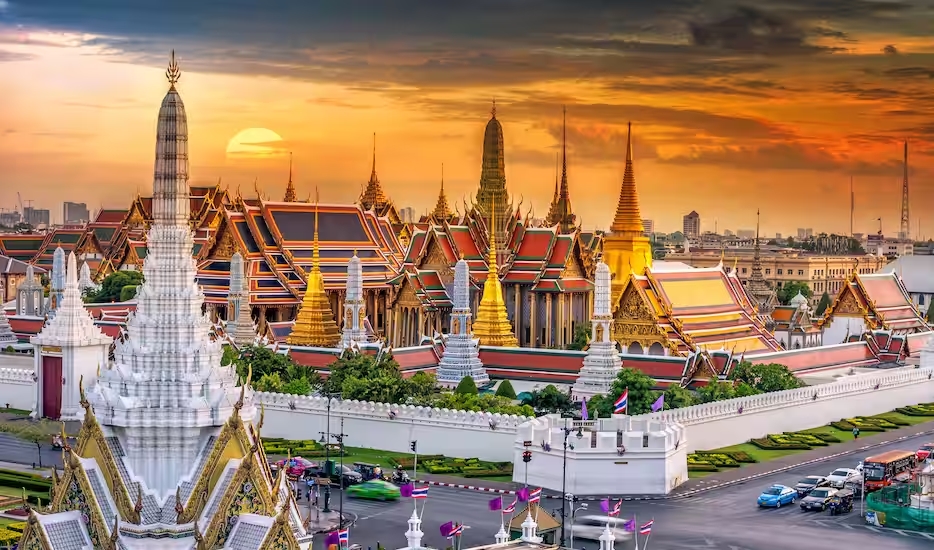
(492, 326)
(626, 250)
(314, 324)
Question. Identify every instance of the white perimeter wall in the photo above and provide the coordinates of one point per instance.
(460, 434)
(734, 421)
(17, 388)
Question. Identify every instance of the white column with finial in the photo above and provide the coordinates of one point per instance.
(602, 363)
(414, 534)
(502, 536)
(607, 539)
(354, 329)
(530, 529)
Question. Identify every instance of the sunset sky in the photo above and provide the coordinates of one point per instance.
(761, 104)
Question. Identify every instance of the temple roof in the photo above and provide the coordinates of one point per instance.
(881, 299)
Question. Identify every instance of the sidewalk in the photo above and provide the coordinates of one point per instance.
(753, 471)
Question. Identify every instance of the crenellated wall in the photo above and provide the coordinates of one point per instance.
(724, 423)
(17, 387)
(462, 434)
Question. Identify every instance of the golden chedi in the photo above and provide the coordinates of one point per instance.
(314, 324)
(492, 326)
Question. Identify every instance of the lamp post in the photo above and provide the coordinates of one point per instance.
(340, 475)
(326, 439)
(574, 511)
(566, 431)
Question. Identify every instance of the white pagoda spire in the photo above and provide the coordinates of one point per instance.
(7, 337)
(530, 529)
(461, 357)
(240, 327)
(57, 280)
(72, 341)
(354, 306)
(602, 363)
(85, 282)
(607, 538)
(414, 535)
(167, 392)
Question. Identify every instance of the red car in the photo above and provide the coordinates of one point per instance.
(925, 452)
(296, 466)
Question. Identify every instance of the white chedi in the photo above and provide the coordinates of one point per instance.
(354, 329)
(461, 357)
(602, 363)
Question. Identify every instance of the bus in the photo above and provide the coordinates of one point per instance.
(880, 471)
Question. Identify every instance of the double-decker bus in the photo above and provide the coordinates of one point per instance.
(880, 471)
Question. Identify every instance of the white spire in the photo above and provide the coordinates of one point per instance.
(240, 326)
(57, 280)
(167, 391)
(602, 363)
(461, 357)
(72, 325)
(84, 281)
(530, 529)
(354, 328)
(414, 534)
(502, 537)
(607, 538)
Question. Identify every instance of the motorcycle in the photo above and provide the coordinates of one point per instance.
(400, 477)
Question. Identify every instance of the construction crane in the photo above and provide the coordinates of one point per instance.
(19, 199)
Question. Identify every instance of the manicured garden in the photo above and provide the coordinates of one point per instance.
(10, 532)
(460, 467)
(774, 446)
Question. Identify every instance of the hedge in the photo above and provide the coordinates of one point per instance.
(409, 461)
(767, 444)
(25, 482)
(702, 467)
(924, 409)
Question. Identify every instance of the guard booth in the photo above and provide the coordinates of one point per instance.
(548, 526)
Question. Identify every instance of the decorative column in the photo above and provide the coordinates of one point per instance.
(69, 347)
(461, 356)
(240, 328)
(354, 305)
(502, 536)
(530, 529)
(602, 363)
(56, 281)
(30, 296)
(607, 538)
(414, 534)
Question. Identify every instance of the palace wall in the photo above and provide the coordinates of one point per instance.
(734, 421)
(17, 387)
(367, 424)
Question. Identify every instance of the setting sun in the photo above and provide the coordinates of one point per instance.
(255, 142)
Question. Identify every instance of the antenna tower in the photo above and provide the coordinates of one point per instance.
(905, 228)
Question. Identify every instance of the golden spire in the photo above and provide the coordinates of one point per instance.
(442, 211)
(314, 324)
(373, 196)
(628, 217)
(290, 188)
(492, 326)
(173, 73)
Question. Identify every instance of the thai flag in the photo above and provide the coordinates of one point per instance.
(511, 508)
(535, 495)
(646, 528)
(621, 404)
(343, 537)
(617, 508)
(421, 492)
(457, 531)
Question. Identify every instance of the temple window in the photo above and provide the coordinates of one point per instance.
(800, 272)
(779, 271)
(744, 271)
(768, 271)
(920, 299)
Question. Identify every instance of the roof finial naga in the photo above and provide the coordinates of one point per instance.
(173, 74)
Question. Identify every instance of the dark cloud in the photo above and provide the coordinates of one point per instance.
(6, 57)
(890, 49)
(586, 145)
(750, 30)
(910, 72)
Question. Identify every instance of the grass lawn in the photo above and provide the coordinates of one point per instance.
(4, 522)
(500, 479)
(358, 454)
(14, 411)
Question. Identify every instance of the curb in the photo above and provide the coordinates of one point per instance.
(798, 465)
(547, 496)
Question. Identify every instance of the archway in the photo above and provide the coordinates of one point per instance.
(635, 348)
(656, 349)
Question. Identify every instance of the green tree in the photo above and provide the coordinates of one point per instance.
(677, 397)
(641, 395)
(297, 386)
(270, 382)
(128, 292)
(930, 315)
(766, 377)
(230, 355)
(791, 289)
(112, 286)
(422, 386)
(716, 391)
(744, 390)
(822, 304)
(364, 378)
(467, 386)
(486, 403)
(581, 337)
(506, 390)
(549, 400)
(272, 372)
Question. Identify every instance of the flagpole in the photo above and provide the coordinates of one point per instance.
(635, 531)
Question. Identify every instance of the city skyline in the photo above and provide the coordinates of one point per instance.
(772, 106)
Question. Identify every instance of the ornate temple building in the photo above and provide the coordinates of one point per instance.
(373, 197)
(168, 456)
(560, 213)
(758, 289)
(492, 193)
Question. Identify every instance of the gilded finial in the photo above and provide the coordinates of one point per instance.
(139, 499)
(115, 532)
(25, 500)
(735, 260)
(173, 73)
(82, 398)
(462, 255)
(98, 370)
(262, 417)
(64, 437)
(493, 110)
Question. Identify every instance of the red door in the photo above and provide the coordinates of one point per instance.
(51, 387)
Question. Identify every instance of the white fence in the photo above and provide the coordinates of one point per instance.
(17, 388)
(724, 423)
(461, 434)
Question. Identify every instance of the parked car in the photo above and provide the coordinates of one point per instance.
(840, 476)
(342, 475)
(818, 499)
(296, 466)
(375, 489)
(810, 483)
(777, 496)
(925, 452)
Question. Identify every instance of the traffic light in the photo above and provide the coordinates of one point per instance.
(527, 456)
(413, 445)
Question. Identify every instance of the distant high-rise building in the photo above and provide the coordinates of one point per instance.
(805, 233)
(727, 233)
(691, 226)
(36, 216)
(407, 215)
(75, 212)
(11, 218)
(648, 226)
(778, 235)
(746, 233)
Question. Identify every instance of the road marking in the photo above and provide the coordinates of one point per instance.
(848, 526)
(871, 528)
(927, 536)
(902, 533)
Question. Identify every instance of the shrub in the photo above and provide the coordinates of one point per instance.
(842, 425)
(924, 409)
(701, 467)
(486, 473)
(505, 390)
(467, 387)
(24, 482)
(893, 419)
(767, 444)
(829, 438)
(742, 456)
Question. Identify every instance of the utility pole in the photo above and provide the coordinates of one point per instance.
(340, 442)
(328, 467)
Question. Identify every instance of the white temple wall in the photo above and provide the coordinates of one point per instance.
(17, 388)
(460, 434)
(734, 421)
(841, 327)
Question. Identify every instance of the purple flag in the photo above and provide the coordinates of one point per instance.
(605, 506)
(523, 494)
(659, 403)
(447, 528)
(332, 538)
(584, 415)
(496, 504)
(406, 490)
(630, 525)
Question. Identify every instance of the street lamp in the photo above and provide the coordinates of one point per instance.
(574, 512)
(326, 439)
(340, 475)
(564, 474)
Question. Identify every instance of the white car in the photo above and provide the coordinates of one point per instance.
(840, 476)
(591, 528)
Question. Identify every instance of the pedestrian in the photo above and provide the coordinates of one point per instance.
(855, 432)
